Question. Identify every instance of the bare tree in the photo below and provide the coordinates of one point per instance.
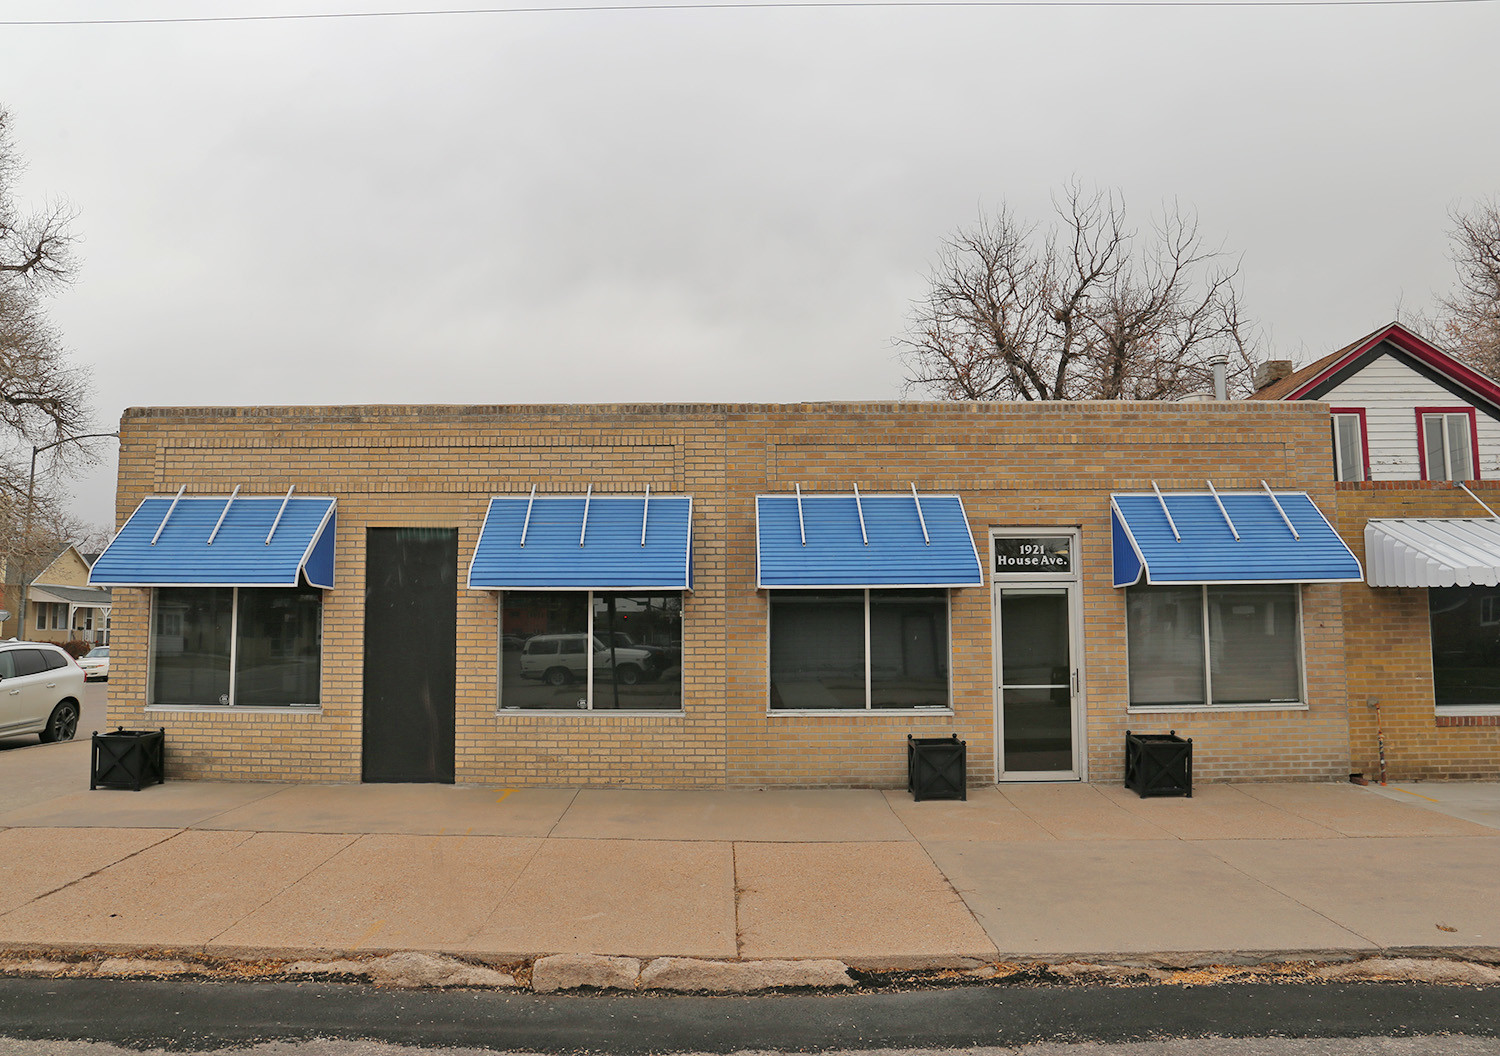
(1470, 316)
(43, 396)
(1085, 310)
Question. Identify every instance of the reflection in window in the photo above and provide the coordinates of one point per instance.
(1465, 646)
(190, 646)
(818, 649)
(1348, 446)
(1226, 645)
(1447, 444)
(278, 645)
(270, 638)
(551, 641)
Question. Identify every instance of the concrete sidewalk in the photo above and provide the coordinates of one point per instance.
(1022, 872)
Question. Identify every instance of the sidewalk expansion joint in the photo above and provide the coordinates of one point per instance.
(86, 876)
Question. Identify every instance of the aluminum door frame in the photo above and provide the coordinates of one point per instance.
(1073, 583)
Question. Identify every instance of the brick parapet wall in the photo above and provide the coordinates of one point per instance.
(1389, 648)
(1016, 465)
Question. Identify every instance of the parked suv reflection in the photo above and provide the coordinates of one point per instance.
(558, 659)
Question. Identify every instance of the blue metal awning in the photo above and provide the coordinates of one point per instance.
(222, 541)
(840, 541)
(585, 542)
(1190, 537)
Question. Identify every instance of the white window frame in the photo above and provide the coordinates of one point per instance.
(234, 647)
(1442, 418)
(1208, 668)
(1338, 445)
(589, 635)
(1489, 610)
(869, 708)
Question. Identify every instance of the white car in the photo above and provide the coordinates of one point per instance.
(41, 690)
(558, 659)
(96, 664)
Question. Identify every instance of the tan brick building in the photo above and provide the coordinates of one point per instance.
(727, 684)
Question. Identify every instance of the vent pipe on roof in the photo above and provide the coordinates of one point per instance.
(1220, 364)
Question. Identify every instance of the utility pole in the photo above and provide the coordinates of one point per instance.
(23, 572)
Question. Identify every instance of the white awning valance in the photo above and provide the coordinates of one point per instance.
(1432, 552)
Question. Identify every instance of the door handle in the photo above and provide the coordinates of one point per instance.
(51, 685)
(15, 692)
(1075, 681)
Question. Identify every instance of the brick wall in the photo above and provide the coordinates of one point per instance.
(1016, 465)
(1389, 648)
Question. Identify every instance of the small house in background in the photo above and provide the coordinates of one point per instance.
(1414, 438)
(61, 606)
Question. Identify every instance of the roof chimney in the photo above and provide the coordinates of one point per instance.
(1271, 371)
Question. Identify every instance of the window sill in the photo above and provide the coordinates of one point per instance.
(1210, 709)
(586, 713)
(1468, 715)
(908, 713)
(235, 709)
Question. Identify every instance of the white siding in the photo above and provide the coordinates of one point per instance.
(1390, 392)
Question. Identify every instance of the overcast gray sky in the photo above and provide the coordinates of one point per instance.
(697, 205)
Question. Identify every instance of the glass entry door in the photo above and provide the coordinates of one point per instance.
(1038, 683)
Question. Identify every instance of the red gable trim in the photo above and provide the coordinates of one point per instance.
(1414, 346)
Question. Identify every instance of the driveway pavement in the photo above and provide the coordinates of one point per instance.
(868, 877)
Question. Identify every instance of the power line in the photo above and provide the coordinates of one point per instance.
(771, 5)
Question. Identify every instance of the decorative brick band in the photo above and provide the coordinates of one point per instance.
(1468, 720)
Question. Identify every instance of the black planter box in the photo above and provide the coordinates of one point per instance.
(128, 759)
(1158, 764)
(937, 768)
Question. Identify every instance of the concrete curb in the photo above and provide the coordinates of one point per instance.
(554, 973)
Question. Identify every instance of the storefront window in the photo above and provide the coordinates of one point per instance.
(278, 643)
(222, 646)
(1220, 646)
(818, 656)
(1465, 646)
(577, 650)
(190, 645)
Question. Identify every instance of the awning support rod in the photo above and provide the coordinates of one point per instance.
(1476, 498)
(801, 525)
(1171, 523)
(1215, 492)
(926, 539)
(526, 525)
(220, 522)
(1290, 526)
(586, 497)
(168, 517)
(860, 507)
(645, 509)
(279, 512)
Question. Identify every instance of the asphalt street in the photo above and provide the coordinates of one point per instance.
(212, 1017)
(1418, 1045)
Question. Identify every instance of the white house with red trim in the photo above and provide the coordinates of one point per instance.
(1402, 409)
(1422, 633)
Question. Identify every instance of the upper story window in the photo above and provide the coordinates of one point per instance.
(1447, 443)
(1351, 457)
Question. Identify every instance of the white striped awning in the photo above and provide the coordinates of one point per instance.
(1432, 552)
